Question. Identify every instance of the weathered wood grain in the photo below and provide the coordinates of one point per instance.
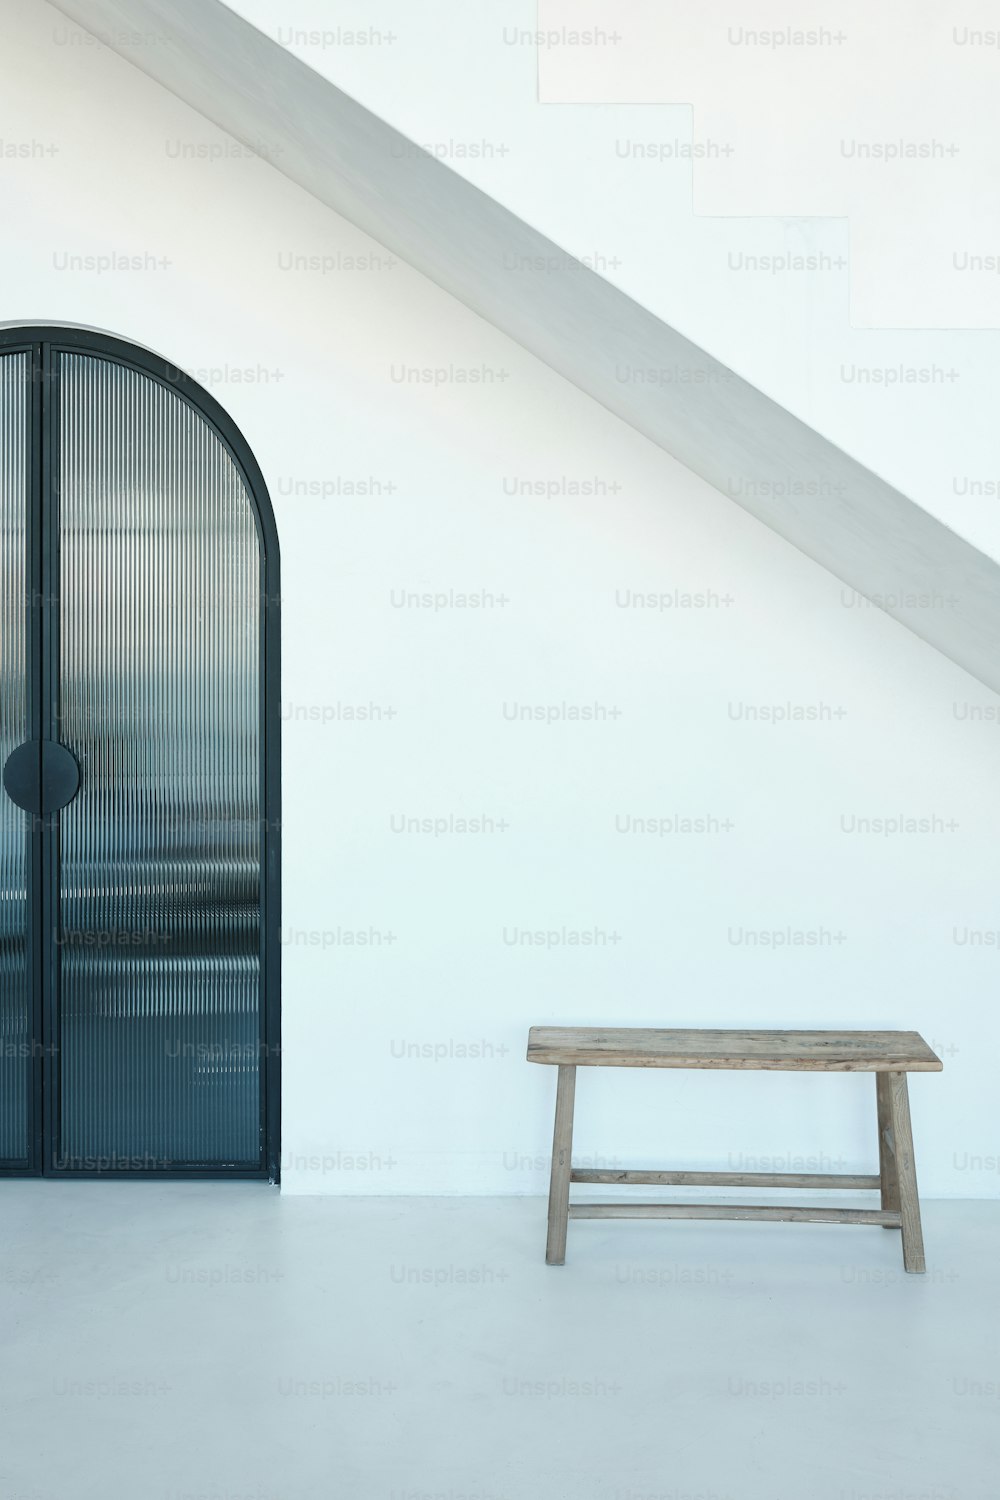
(840, 1181)
(888, 1181)
(790, 1051)
(765, 1213)
(906, 1174)
(562, 1152)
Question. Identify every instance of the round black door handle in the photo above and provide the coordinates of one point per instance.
(41, 776)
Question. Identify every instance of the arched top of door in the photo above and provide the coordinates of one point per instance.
(73, 339)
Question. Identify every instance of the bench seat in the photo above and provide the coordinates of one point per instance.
(779, 1051)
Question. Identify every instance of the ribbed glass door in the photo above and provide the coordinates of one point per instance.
(152, 866)
(16, 1024)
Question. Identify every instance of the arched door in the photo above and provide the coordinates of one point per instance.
(139, 838)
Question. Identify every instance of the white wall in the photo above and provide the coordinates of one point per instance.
(883, 345)
(309, 365)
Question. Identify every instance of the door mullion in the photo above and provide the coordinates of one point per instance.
(36, 863)
(48, 680)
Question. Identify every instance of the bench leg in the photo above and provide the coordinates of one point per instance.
(562, 1153)
(886, 1158)
(906, 1173)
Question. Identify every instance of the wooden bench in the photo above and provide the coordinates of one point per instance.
(890, 1055)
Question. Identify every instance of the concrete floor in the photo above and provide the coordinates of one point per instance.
(225, 1343)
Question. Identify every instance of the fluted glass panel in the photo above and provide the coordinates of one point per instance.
(15, 988)
(159, 984)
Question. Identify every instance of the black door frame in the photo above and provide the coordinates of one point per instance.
(43, 344)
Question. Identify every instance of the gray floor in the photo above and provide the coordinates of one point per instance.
(225, 1343)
